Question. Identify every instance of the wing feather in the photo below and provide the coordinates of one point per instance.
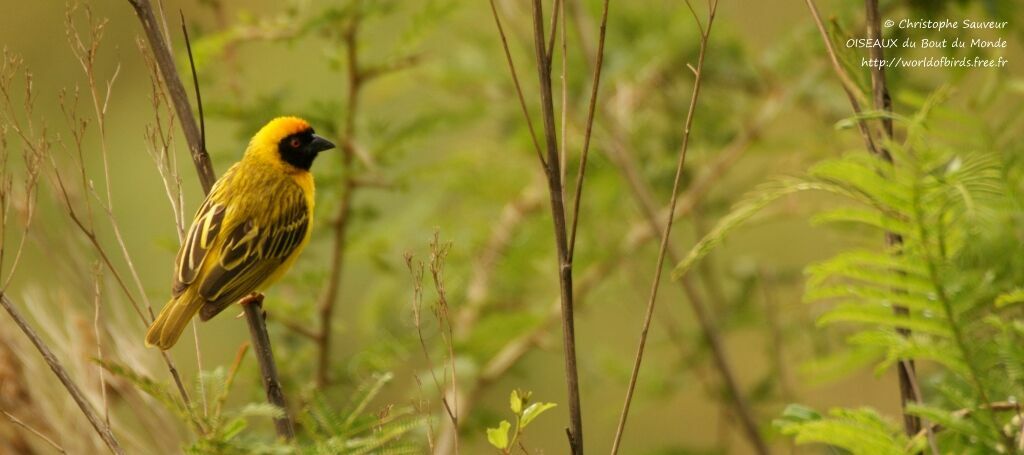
(250, 254)
(202, 236)
(205, 227)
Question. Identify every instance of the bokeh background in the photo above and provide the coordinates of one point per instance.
(443, 149)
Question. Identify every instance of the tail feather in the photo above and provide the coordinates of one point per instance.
(167, 327)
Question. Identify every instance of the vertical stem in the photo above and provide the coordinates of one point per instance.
(552, 171)
(254, 315)
(341, 219)
(711, 334)
(906, 369)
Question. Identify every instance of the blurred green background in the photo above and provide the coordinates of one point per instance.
(448, 150)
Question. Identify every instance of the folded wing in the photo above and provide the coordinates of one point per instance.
(251, 253)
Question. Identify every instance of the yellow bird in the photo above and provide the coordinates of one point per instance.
(249, 231)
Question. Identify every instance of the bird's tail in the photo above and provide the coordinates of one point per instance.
(167, 327)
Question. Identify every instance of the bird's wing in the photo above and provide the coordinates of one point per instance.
(200, 239)
(251, 252)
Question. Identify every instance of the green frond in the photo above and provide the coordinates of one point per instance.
(353, 430)
(868, 179)
(744, 211)
(163, 393)
(853, 292)
(863, 216)
(841, 268)
(883, 316)
(859, 431)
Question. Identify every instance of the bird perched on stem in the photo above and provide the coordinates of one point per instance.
(249, 231)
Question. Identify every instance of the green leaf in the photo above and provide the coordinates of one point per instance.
(1010, 298)
(533, 411)
(498, 437)
(516, 402)
(799, 413)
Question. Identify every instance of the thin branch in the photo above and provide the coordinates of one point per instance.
(255, 316)
(659, 265)
(340, 222)
(1002, 406)
(849, 86)
(565, 92)
(586, 135)
(438, 255)
(97, 304)
(195, 82)
(165, 62)
(102, 429)
(555, 189)
(515, 82)
(232, 372)
(85, 55)
(202, 144)
(34, 431)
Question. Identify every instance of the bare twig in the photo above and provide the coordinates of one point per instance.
(102, 429)
(34, 431)
(659, 264)
(97, 304)
(589, 128)
(165, 62)
(555, 190)
(438, 256)
(340, 222)
(448, 386)
(515, 82)
(999, 406)
(232, 372)
(254, 315)
(849, 86)
(565, 90)
(416, 271)
(195, 82)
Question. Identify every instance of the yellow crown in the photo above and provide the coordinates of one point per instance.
(280, 128)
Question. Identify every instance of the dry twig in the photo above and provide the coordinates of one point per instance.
(441, 310)
(699, 308)
(34, 431)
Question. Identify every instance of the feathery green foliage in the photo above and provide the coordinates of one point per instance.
(929, 296)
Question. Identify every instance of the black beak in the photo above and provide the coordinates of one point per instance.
(319, 144)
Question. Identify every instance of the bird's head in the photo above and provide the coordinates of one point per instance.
(288, 140)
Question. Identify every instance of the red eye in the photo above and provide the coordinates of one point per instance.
(295, 143)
